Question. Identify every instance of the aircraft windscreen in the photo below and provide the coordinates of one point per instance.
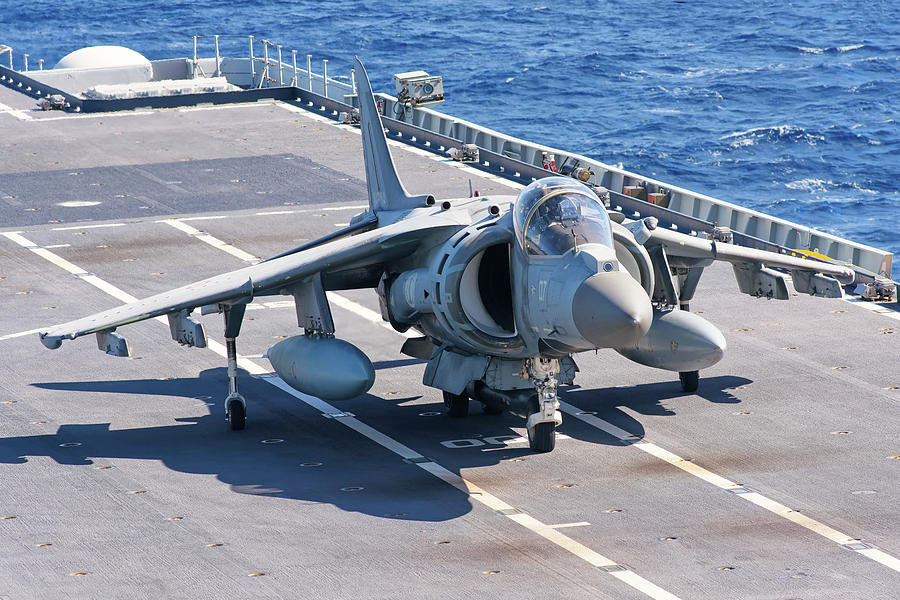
(557, 214)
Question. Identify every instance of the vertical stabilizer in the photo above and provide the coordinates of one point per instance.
(386, 192)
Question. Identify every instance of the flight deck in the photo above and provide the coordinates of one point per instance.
(119, 477)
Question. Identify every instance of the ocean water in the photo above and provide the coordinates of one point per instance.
(790, 108)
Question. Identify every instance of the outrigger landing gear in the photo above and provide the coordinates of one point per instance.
(542, 423)
(235, 405)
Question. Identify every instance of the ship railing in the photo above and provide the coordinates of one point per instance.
(755, 224)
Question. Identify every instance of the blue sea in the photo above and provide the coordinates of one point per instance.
(790, 108)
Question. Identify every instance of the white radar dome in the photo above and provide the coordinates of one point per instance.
(99, 57)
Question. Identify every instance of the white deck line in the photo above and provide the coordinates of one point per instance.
(17, 113)
(94, 116)
(10, 336)
(102, 226)
(474, 492)
(212, 241)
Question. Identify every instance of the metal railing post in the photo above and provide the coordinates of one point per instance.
(26, 62)
(194, 70)
(252, 66)
(41, 64)
(309, 71)
(294, 60)
(325, 77)
(218, 68)
(353, 80)
(280, 67)
(265, 73)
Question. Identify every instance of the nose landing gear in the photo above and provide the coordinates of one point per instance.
(545, 418)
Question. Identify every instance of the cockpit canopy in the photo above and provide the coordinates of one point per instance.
(557, 214)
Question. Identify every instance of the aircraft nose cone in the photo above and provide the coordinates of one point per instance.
(611, 310)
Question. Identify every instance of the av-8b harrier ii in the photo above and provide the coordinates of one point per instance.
(504, 290)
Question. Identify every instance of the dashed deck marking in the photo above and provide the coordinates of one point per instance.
(473, 491)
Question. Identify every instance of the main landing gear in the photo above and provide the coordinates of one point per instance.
(457, 405)
(540, 406)
(235, 405)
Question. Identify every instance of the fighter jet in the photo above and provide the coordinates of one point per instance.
(504, 290)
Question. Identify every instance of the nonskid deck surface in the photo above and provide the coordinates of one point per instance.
(776, 480)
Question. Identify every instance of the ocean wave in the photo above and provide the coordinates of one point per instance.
(813, 185)
(830, 49)
(775, 134)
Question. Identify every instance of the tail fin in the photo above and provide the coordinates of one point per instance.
(386, 192)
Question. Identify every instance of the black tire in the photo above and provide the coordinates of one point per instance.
(489, 405)
(491, 409)
(690, 380)
(237, 415)
(542, 438)
(457, 405)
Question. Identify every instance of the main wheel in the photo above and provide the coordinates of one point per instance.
(690, 380)
(489, 404)
(491, 409)
(237, 415)
(457, 405)
(542, 437)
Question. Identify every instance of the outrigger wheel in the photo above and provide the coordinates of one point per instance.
(457, 405)
(690, 380)
(236, 413)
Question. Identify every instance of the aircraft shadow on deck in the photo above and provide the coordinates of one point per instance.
(391, 489)
(645, 399)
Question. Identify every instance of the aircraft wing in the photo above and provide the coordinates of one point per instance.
(753, 268)
(274, 276)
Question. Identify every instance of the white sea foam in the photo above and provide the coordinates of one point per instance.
(849, 48)
(824, 185)
(811, 50)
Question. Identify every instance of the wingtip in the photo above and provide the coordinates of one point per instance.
(51, 342)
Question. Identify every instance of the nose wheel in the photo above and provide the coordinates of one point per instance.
(542, 437)
(542, 423)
